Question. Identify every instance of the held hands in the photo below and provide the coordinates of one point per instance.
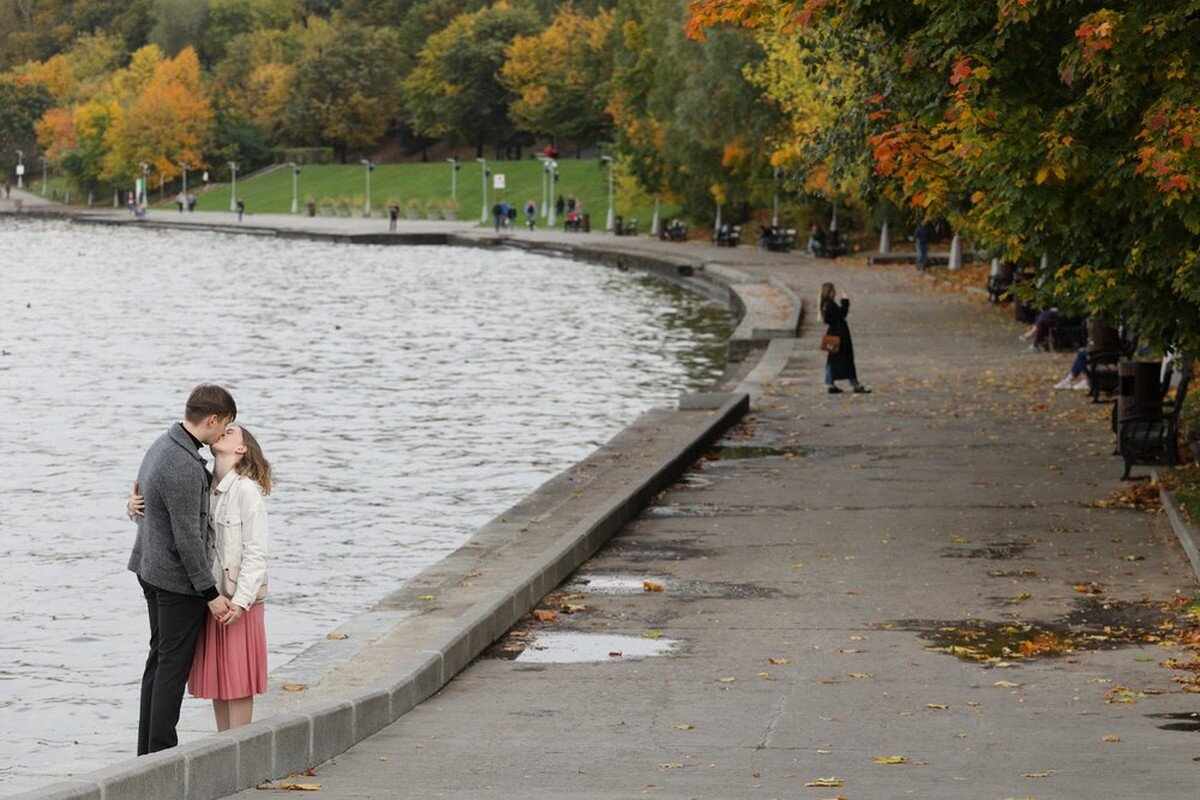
(222, 609)
(135, 506)
(236, 612)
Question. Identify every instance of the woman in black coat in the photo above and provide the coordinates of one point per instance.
(840, 365)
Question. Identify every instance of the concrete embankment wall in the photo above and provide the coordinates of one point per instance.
(412, 642)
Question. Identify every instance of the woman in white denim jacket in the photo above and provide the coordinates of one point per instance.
(230, 664)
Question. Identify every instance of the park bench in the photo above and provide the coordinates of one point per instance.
(727, 236)
(781, 240)
(1148, 433)
(674, 231)
(1103, 359)
(624, 227)
(834, 245)
(578, 223)
(1068, 333)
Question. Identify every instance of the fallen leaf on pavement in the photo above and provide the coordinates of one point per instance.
(1046, 774)
(833, 782)
(652, 586)
(671, 765)
(858, 674)
(937, 706)
(779, 661)
(1110, 738)
(890, 760)
(295, 687)
(726, 680)
(1006, 684)
(544, 615)
(336, 636)
(684, 726)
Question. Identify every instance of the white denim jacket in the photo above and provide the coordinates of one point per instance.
(238, 539)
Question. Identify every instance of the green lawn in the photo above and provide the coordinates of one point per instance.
(585, 179)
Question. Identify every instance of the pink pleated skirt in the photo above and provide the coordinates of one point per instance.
(231, 662)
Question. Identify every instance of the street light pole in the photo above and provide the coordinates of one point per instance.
(545, 181)
(609, 222)
(775, 202)
(184, 165)
(144, 199)
(370, 165)
(295, 186)
(43, 160)
(453, 162)
(233, 186)
(483, 176)
(20, 169)
(553, 167)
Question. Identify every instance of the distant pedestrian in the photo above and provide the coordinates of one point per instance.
(393, 216)
(512, 216)
(498, 215)
(560, 205)
(241, 208)
(7, 190)
(922, 239)
(571, 204)
(839, 355)
(191, 202)
(530, 214)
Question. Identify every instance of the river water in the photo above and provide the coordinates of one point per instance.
(405, 395)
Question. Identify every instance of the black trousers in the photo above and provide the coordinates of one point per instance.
(175, 622)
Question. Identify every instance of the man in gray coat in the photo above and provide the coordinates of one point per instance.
(171, 560)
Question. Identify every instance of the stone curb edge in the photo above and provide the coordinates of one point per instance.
(1188, 538)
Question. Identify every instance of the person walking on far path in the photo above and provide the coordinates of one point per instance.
(530, 214)
(839, 361)
(922, 238)
(498, 215)
(393, 215)
(241, 208)
(171, 561)
(559, 205)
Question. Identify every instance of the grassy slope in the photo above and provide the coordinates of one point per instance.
(272, 193)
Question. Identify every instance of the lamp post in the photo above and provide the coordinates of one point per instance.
(545, 181)
(370, 165)
(775, 202)
(483, 176)
(43, 160)
(553, 167)
(184, 165)
(655, 222)
(609, 221)
(20, 169)
(143, 199)
(295, 186)
(233, 186)
(453, 162)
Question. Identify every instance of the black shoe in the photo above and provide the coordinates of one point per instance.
(861, 390)
(834, 390)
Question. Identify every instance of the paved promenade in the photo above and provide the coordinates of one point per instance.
(808, 569)
(844, 591)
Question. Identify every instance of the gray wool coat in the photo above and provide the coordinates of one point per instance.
(170, 552)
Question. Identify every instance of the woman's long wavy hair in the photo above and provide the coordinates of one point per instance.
(827, 293)
(254, 465)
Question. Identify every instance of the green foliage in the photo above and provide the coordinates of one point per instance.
(344, 90)
(227, 19)
(455, 90)
(21, 106)
(178, 24)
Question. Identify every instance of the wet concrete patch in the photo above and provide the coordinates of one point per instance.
(741, 452)
(582, 648)
(677, 550)
(627, 584)
(1094, 625)
(1185, 721)
(992, 550)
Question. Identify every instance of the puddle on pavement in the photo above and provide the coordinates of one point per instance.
(741, 452)
(693, 481)
(1094, 625)
(610, 583)
(713, 510)
(582, 648)
(992, 550)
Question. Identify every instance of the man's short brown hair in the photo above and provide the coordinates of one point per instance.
(208, 399)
